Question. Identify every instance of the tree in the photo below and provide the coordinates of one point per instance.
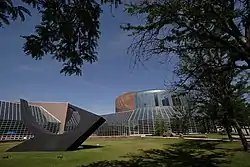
(207, 109)
(160, 126)
(214, 35)
(181, 119)
(69, 29)
(182, 27)
(217, 86)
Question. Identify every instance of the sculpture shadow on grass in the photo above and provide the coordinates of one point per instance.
(84, 147)
(177, 155)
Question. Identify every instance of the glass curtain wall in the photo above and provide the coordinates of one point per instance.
(150, 107)
(115, 125)
(12, 126)
(143, 121)
(72, 119)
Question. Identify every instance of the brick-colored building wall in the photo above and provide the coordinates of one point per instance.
(125, 102)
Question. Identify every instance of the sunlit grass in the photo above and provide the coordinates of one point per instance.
(113, 149)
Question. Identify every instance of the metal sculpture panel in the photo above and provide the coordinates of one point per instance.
(44, 140)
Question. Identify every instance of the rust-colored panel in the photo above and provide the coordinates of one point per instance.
(58, 110)
(125, 102)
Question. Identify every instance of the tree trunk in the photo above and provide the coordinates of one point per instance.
(227, 126)
(214, 127)
(242, 136)
(229, 134)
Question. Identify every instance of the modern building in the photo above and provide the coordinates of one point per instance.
(55, 117)
(137, 113)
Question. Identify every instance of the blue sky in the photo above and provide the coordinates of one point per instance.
(101, 83)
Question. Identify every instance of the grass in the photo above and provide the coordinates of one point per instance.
(144, 152)
(217, 136)
(210, 135)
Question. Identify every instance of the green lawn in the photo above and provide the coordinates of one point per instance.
(217, 136)
(143, 152)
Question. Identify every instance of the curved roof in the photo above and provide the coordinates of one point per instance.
(147, 113)
(147, 90)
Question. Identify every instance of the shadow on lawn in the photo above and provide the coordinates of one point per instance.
(185, 154)
(84, 147)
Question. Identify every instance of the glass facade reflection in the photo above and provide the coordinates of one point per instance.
(72, 119)
(148, 106)
(12, 126)
(152, 98)
(142, 121)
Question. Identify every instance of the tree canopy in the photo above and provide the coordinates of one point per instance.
(193, 26)
(69, 29)
(212, 41)
(220, 94)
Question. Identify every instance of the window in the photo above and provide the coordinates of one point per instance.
(156, 100)
(165, 102)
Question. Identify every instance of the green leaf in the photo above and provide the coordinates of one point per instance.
(4, 19)
(23, 9)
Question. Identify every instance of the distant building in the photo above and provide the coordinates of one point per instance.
(55, 117)
(136, 113)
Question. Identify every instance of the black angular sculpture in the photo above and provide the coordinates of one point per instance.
(44, 140)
